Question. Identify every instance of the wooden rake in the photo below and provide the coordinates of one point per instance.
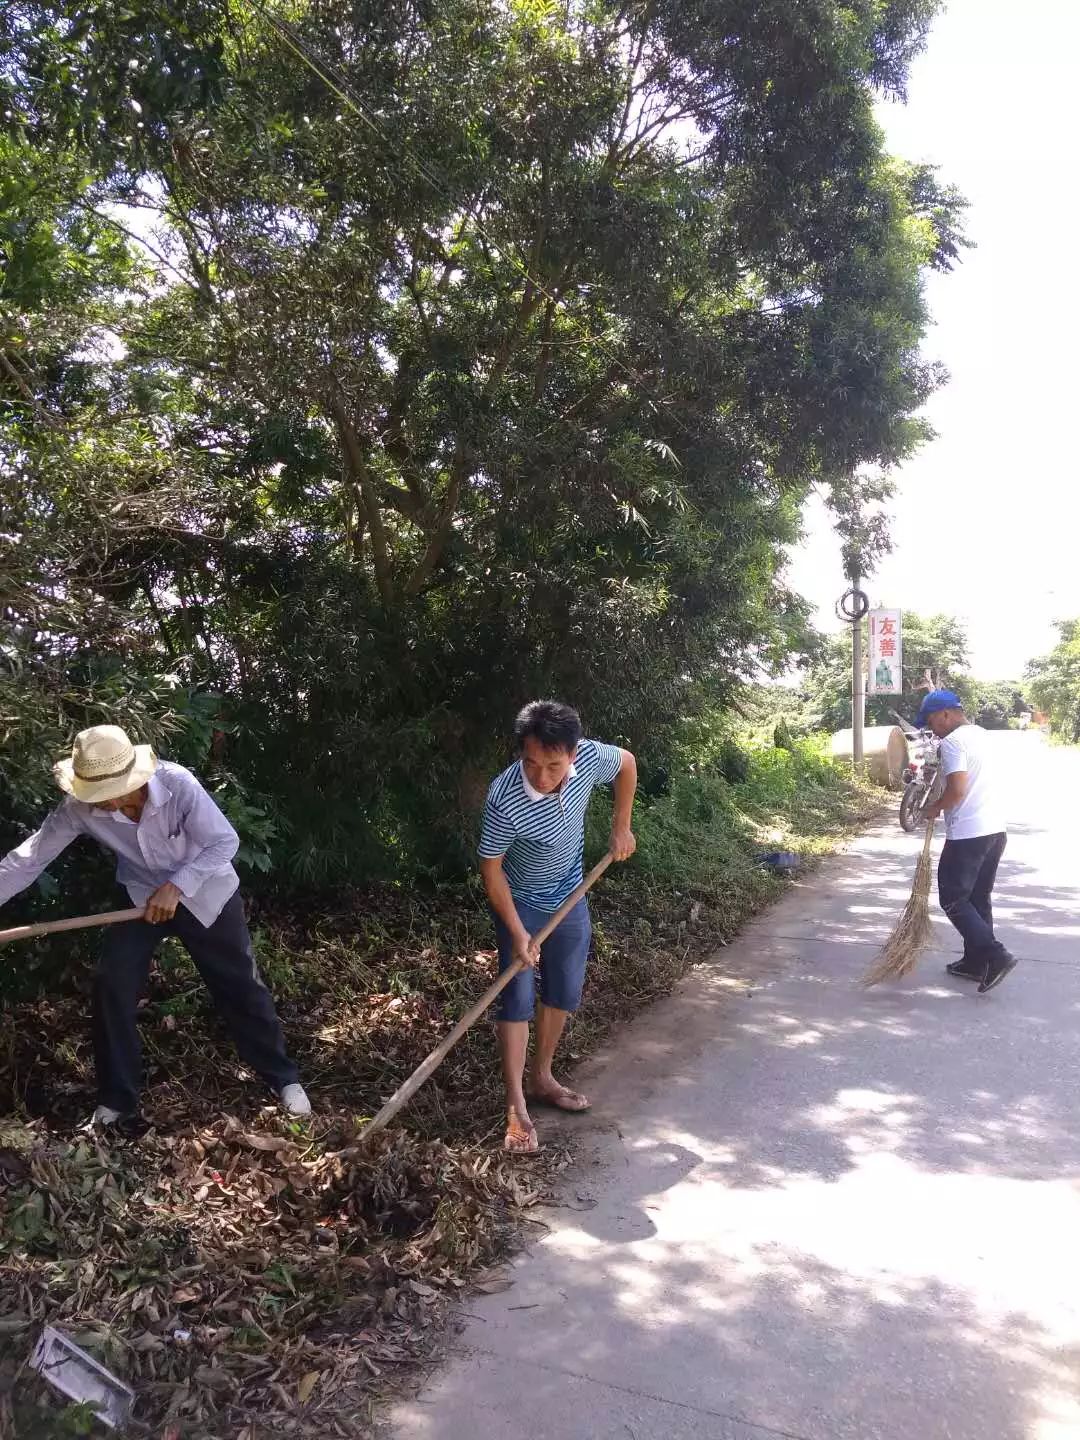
(404, 1093)
(76, 922)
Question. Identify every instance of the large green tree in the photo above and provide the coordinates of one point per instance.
(86, 483)
(488, 349)
(1054, 682)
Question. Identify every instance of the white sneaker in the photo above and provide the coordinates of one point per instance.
(294, 1100)
(103, 1115)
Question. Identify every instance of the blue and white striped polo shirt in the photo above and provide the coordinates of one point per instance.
(543, 840)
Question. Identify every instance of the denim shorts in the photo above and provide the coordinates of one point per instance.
(562, 962)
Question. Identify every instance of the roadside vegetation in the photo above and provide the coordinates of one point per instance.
(1054, 680)
(368, 368)
(241, 1270)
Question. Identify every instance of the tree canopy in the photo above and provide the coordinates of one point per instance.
(1054, 681)
(373, 367)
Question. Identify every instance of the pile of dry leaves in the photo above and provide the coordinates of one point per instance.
(241, 1277)
(244, 1273)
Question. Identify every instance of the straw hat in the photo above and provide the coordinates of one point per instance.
(104, 765)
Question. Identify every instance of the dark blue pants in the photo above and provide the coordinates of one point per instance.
(562, 962)
(966, 873)
(223, 957)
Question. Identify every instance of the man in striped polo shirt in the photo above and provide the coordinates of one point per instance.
(531, 850)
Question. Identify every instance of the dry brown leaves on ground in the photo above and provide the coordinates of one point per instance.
(242, 1278)
(244, 1274)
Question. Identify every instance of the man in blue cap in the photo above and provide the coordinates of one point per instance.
(974, 837)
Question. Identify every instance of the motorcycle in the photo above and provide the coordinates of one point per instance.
(921, 777)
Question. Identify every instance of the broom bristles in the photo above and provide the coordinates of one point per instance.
(912, 932)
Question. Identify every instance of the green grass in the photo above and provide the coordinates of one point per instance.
(696, 878)
(704, 835)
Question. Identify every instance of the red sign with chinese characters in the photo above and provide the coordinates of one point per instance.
(885, 673)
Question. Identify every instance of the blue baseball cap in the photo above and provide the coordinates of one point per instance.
(935, 701)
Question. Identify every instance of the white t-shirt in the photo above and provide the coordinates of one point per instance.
(981, 811)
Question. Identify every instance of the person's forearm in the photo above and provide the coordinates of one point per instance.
(502, 902)
(624, 790)
(193, 874)
(17, 872)
(954, 792)
(212, 840)
(22, 866)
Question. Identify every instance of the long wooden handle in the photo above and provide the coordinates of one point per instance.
(77, 922)
(404, 1093)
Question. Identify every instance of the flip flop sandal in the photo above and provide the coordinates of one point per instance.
(521, 1139)
(554, 1103)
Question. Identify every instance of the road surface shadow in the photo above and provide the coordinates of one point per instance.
(817, 1211)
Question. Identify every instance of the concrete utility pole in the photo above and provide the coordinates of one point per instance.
(852, 607)
(858, 682)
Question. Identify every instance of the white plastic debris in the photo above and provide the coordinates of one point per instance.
(69, 1369)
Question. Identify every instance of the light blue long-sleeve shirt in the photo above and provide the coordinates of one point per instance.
(181, 836)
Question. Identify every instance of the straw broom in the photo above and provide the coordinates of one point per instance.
(911, 935)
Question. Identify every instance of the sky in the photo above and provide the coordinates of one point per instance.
(986, 519)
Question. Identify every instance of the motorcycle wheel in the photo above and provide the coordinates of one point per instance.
(911, 808)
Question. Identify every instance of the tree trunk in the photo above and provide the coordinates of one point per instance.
(354, 458)
(444, 528)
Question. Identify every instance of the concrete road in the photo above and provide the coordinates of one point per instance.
(815, 1211)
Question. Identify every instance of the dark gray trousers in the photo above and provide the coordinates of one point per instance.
(966, 874)
(224, 958)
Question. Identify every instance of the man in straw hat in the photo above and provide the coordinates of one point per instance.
(174, 849)
(975, 837)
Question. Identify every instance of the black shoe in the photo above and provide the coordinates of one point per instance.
(966, 969)
(996, 971)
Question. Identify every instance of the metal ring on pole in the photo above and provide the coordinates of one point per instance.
(852, 606)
